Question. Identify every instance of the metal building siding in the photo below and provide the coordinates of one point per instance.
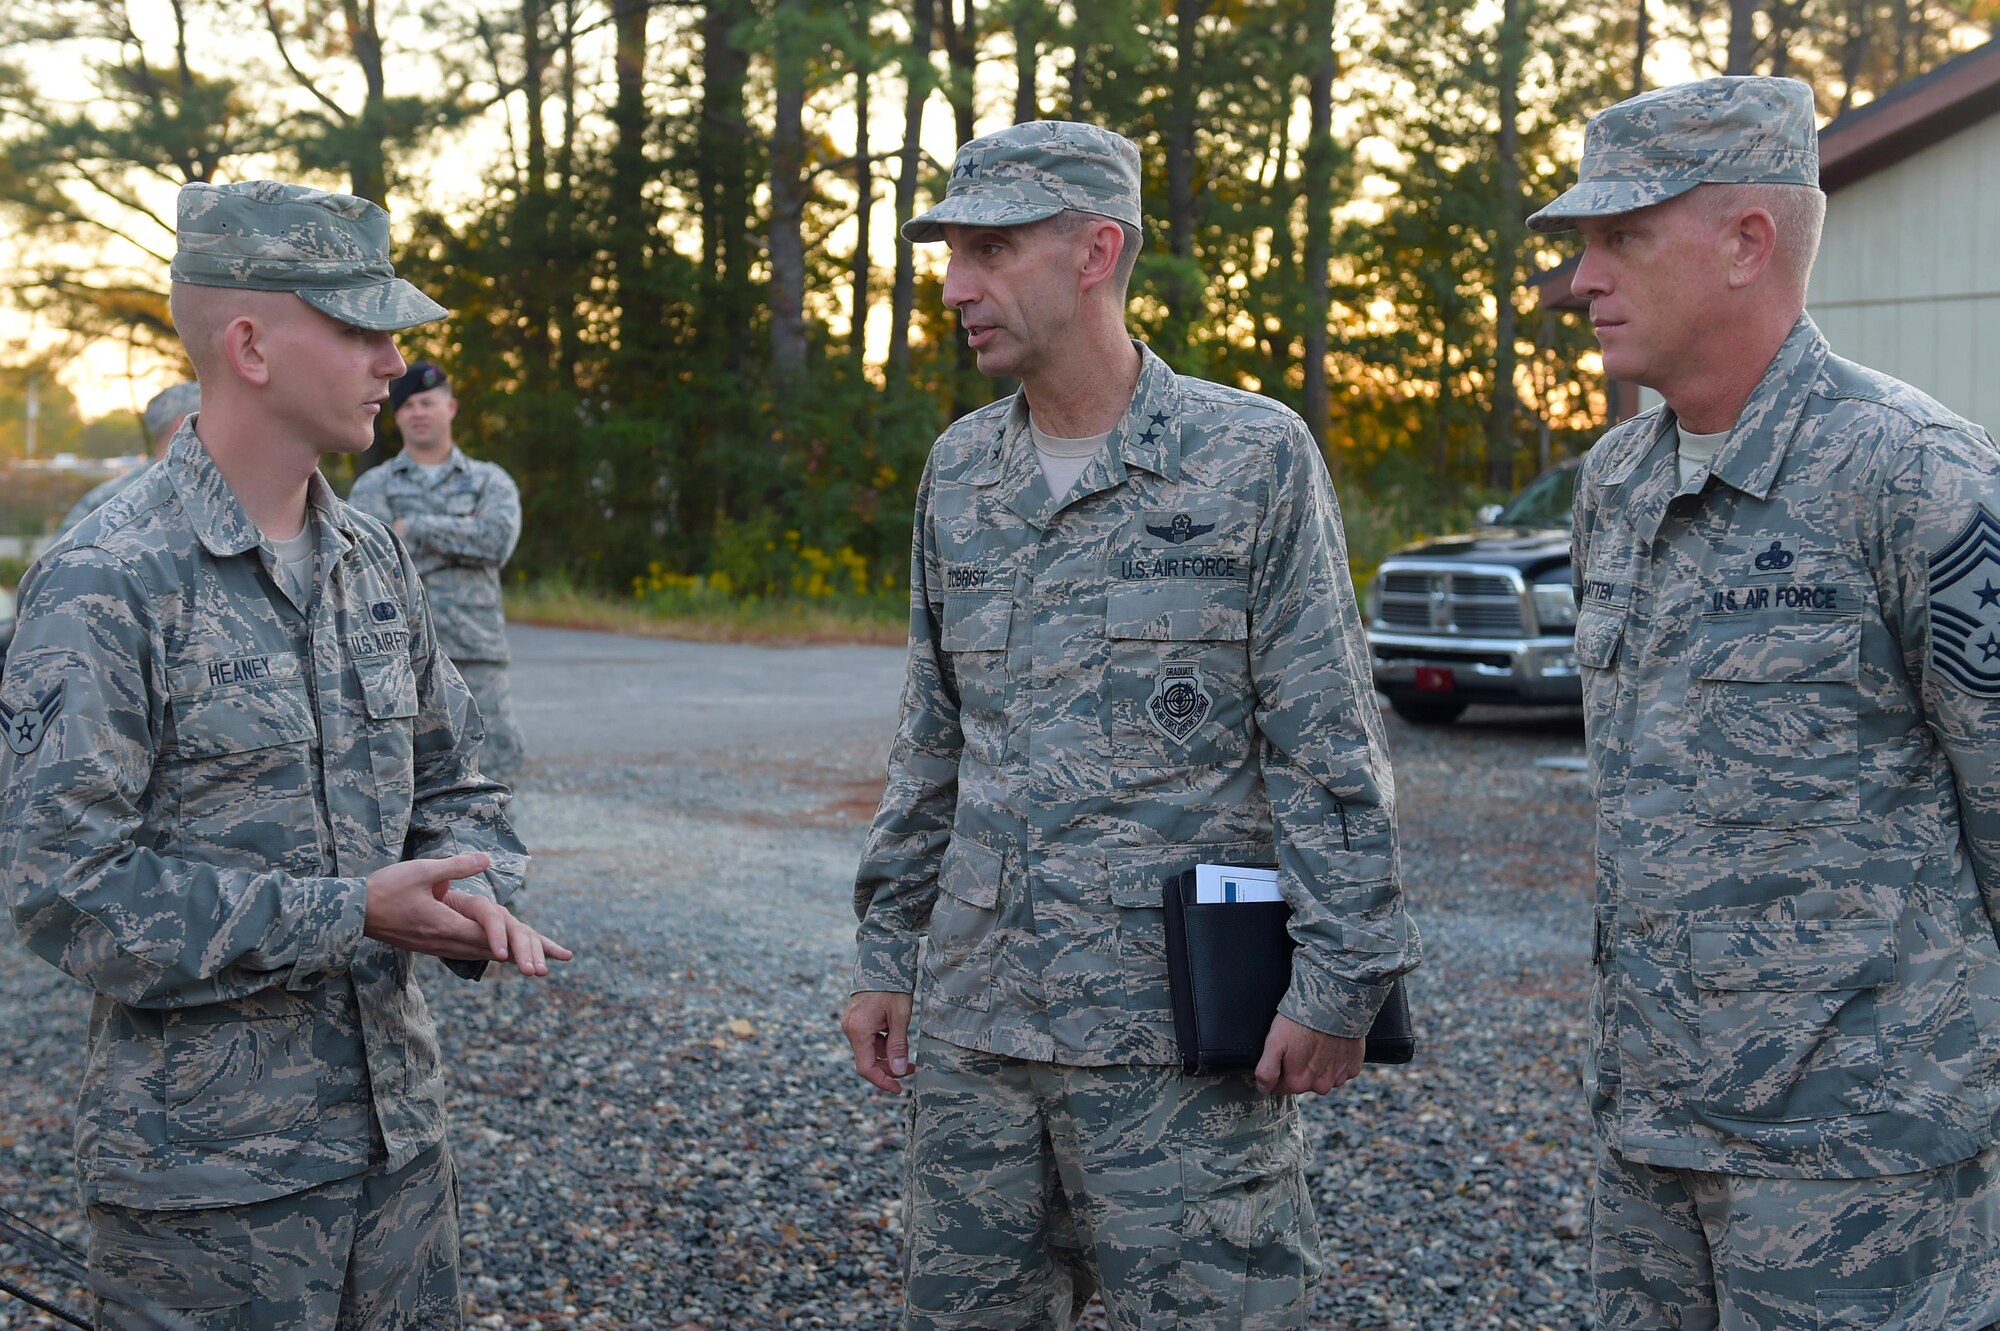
(1908, 278)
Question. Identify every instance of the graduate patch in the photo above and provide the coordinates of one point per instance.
(1965, 607)
(1179, 702)
(24, 728)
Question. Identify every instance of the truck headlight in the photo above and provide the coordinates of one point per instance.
(1555, 605)
(1373, 601)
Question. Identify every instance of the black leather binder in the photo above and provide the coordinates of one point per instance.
(1229, 965)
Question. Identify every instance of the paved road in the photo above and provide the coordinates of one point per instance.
(594, 697)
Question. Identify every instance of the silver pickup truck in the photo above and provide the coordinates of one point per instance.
(1486, 617)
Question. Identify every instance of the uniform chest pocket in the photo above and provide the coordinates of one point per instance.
(1777, 721)
(389, 695)
(974, 638)
(239, 747)
(1177, 690)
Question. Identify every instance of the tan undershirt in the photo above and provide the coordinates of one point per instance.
(1063, 460)
(1696, 450)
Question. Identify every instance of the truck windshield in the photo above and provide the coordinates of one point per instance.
(1545, 503)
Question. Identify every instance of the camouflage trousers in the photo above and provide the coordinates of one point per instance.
(502, 753)
(1031, 1186)
(378, 1252)
(1691, 1251)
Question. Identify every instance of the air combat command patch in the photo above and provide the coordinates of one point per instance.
(1179, 702)
(1965, 607)
(25, 727)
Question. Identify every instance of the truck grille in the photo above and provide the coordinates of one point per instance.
(1445, 600)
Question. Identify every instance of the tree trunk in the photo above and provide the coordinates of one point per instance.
(531, 226)
(1500, 438)
(1742, 37)
(368, 167)
(1319, 190)
(960, 34)
(1643, 36)
(864, 179)
(1182, 293)
(788, 198)
(628, 232)
(917, 81)
(723, 183)
(1027, 52)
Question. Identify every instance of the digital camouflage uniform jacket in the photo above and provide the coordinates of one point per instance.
(1792, 692)
(167, 838)
(460, 527)
(1167, 669)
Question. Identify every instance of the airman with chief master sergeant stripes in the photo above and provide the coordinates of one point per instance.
(236, 793)
(1788, 582)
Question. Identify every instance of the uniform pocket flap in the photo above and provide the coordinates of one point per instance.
(1597, 636)
(388, 685)
(166, 1271)
(971, 872)
(1182, 611)
(1775, 653)
(242, 718)
(976, 623)
(1793, 955)
(1138, 877)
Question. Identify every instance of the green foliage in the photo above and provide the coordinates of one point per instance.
(650, 293)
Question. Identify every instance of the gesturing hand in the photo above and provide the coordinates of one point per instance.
(413, 906)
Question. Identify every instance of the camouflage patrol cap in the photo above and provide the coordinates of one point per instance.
(1032, 171)
(331, 250)
(169, 405)
(1735, 130)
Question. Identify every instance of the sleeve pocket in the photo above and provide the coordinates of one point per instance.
(388, 687)
(1598, 634)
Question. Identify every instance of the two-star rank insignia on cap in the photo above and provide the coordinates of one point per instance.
(24, 728)
(1965, 607)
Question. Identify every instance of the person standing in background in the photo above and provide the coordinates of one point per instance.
(461, 519)
(163, 415)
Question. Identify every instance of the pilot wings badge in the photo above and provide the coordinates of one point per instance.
(1181, 530)
(24, 727)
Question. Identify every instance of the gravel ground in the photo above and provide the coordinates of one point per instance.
(669, 1135)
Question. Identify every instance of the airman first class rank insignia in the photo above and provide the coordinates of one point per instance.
(24, 728)
(1965, 607)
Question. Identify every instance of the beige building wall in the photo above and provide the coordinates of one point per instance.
(1908, 279)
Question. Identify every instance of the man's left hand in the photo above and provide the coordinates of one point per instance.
(400, 527)
(1298, 1059)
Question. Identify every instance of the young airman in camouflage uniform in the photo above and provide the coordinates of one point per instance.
(236, 790)
(1790, 636)
(163, 415)
(1126, 657)
(460, 520)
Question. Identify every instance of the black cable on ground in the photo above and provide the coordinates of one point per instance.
(38, 1242)
(52, 1309)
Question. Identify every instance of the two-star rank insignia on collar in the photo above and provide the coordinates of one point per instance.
(24, 728)
(1181, 530)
